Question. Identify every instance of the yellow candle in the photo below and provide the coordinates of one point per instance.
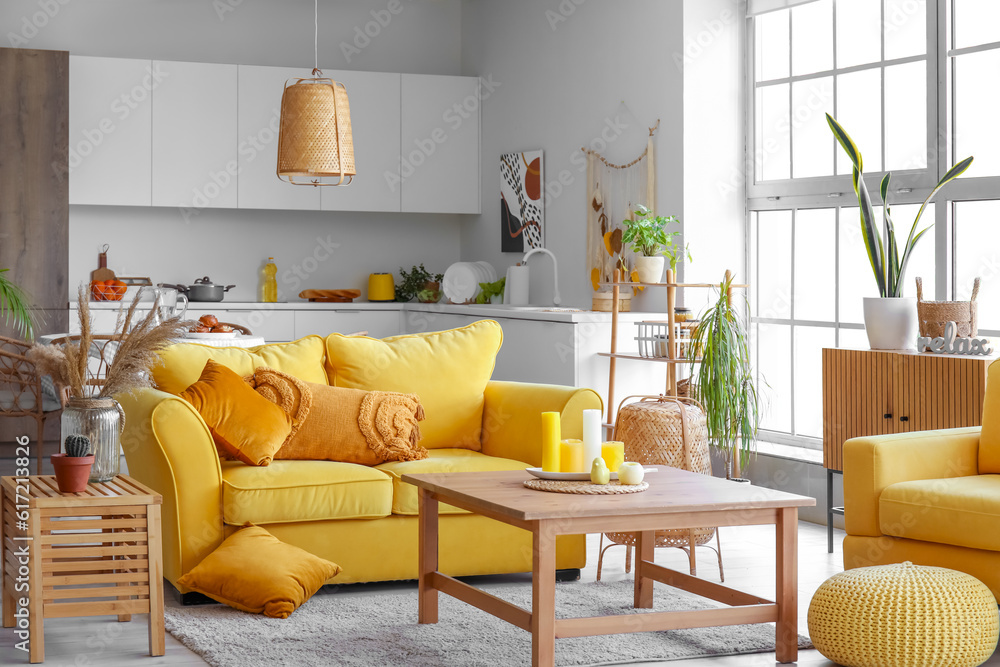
(550, 441)
(613, 454)
(571, 456)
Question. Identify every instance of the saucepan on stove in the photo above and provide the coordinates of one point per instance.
(203, 289)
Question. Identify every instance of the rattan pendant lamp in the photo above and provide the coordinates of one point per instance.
(315, 146)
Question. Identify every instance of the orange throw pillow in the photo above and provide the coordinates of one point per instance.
(289, 393)
(244, 424)
(357, 426)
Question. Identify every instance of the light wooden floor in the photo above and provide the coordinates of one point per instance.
(748, 559)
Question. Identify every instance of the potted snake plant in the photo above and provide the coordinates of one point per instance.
(724, 382)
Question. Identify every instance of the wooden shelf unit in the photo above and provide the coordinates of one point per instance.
(670, 360)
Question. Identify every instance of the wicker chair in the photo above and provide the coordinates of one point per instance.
(671, 431)
(21, 393)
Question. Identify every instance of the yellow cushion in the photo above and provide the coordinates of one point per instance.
(404, 495)
(254, 571)
(243, 423)
(180, 365)
(964, 511)
(449, 370)
(989, 440)
(303, 491)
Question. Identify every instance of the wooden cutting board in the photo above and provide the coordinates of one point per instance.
(330, 295)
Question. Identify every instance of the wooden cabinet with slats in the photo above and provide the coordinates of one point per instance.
(874, 392)
(869, 392)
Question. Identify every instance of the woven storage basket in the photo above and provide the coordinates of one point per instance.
(933, 315)
(904, 615)
(664, 430)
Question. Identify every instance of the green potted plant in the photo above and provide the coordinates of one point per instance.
(15, 307)
(724, 381)
(73, 467)
(419, 283)
(650, 241)
(890, 319)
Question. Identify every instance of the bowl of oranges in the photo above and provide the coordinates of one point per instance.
(107, 290)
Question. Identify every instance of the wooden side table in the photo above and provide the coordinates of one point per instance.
(93, 553)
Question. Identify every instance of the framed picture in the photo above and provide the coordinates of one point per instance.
(522, 201)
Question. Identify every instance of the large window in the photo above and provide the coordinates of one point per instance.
(914, 83)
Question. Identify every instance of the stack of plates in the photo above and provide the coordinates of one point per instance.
(461, 280)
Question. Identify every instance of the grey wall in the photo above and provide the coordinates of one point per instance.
(423, 37)
(565, 67)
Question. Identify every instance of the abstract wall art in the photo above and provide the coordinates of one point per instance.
(522, 201)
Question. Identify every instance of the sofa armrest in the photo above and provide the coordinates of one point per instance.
(170, 449)
(512, 417)
(873, 463)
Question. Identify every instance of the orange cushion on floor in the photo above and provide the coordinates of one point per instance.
(244, 424)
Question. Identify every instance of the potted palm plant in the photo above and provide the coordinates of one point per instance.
(890, 319)
(650, 240)
(15, 307)
(724, 381)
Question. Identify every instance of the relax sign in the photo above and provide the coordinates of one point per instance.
(952, 345)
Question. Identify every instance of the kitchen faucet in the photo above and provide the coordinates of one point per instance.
(555, 271)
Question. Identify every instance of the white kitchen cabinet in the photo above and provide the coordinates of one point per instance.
(377, 323)
(439, 162)
(275, 326)
(194, 136)
(258, 121)
(374, 102)
(110, 130)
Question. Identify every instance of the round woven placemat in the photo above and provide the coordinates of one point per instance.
(585, 488)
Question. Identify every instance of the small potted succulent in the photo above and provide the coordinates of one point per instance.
(650, 240)
(73, 467)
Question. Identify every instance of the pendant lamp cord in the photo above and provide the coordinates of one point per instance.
(316, 69)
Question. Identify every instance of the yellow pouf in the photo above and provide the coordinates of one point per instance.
(904, 615)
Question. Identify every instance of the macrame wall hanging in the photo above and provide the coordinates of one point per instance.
(613, 193)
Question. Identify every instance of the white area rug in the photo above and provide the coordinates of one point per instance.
(356, 628)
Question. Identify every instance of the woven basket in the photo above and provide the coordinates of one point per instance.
(670, 431)
(933, 315)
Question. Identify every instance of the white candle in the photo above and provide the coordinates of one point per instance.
(591, 436)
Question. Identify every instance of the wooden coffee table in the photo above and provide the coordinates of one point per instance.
(675, 499)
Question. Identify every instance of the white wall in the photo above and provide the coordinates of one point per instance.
(423, 37)
(564, 69)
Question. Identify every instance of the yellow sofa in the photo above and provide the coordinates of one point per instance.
(930, 497)
(363, 518)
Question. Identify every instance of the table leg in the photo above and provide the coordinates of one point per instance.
(644, 545)
(428, 557)
(543, 595)
(36, 615)
(157, 644)
(829, 511)
(786, 638)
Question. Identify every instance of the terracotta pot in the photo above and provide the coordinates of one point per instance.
(72, 472)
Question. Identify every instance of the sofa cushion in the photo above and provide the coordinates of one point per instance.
(287, 491)
(449, 370)
(989, 438)
(964, 511)
(404, 495)
(180, 365)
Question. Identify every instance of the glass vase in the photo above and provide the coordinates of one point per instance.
(100, 419)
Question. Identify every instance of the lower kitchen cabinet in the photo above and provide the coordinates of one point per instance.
(376, 323)
(274, 325)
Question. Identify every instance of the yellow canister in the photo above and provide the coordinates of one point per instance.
(381, 287)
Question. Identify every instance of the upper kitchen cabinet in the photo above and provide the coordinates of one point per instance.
(438, 169)
(374, 100)
(258, 122)
(194, 136)
(110, 130)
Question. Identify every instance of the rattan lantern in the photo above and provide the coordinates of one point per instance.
(315, 145)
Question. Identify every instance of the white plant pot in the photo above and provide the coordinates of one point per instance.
(891, 323)
(650, 269)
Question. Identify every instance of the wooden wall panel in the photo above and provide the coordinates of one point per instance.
(919, 391)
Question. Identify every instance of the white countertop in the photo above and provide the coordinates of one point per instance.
(540, 313)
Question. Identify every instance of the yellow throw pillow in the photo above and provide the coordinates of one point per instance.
(357, 426)
(254, 571)
(989, 439)
(244, 424)
(180, 365)
(448, 370)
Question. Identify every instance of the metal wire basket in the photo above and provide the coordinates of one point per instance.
(654, 340)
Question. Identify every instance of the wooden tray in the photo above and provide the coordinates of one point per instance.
(330, 295)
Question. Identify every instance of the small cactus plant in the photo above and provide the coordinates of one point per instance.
(77, 445)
